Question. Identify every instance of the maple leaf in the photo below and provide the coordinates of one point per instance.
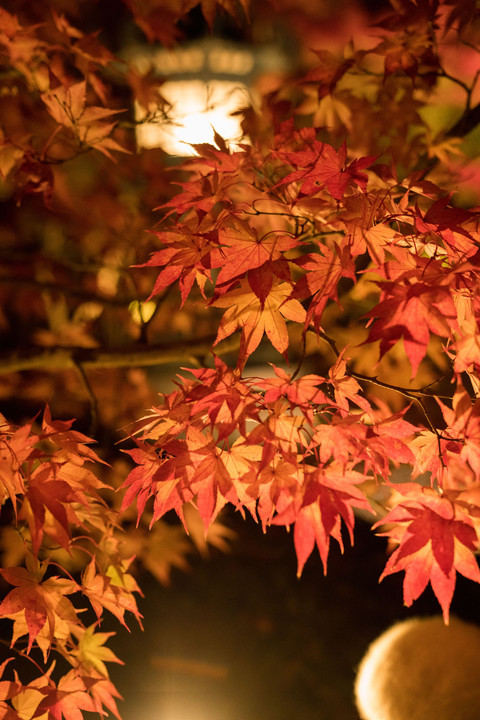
(466, 357)
(241, 250)
(223, 396)
(26, 701)
(280, 433)
(341, 438)
(323, 271)
(158, 18)
(412, 308)
(142, 480)
(165, 476)
(21, 48)
(8, 689)
(112, 590)
(445, 222)
(74, 443)
(90, 650)
(387, 443)
(436, 540)
(431, 454)
(408, 46)
(211, 483)
(67, 105)
(67, 699)
(103, 693)
(328, 496)
(463, 426)
(47, 494)
(16, 447)
(327, 73)
(43, 640)
(302, 392)
(242, 461)
(323, 166)
(246, 311)
(200, 195)
(42, 602)
(345, 387)
(186, 258)
(273, 486)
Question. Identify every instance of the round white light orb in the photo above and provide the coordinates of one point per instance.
(421, 669)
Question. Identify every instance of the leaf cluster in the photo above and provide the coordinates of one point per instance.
(318, 281)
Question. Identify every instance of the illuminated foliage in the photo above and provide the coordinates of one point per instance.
(316, 287)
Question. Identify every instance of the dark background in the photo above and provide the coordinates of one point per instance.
(241, 638)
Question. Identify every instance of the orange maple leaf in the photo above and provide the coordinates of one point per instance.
(436, 539)
(67, 105)
(68, 699)
(246, 311)
(112, 591)
(42, 602)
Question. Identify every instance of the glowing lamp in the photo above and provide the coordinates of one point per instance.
(205, 83)
(421, 669)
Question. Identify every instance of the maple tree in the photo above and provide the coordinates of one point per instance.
(336, 247)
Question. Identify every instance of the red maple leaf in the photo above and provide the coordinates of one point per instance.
(74, 443)
(46, 493)
(8, 689)
(162, 472)
(186, 257)
(445, 221)
(323, 271)
(223, 396)
(328, 497)
(436, 539)
(463, 426)
(320, 165)
(413, 305)
(242, 249)
(346, 388)
(302, 392)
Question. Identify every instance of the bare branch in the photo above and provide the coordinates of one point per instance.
(64, 358)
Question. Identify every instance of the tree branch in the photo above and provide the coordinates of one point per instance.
(469, 120)
(64, 358)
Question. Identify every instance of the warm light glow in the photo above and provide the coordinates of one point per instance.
(197, 108)
(421, 669)
(184, 705)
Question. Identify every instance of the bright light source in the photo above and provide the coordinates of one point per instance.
(421, 668)
(197, 108)
(205, 82)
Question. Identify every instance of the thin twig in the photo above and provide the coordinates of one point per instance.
(92, 398)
